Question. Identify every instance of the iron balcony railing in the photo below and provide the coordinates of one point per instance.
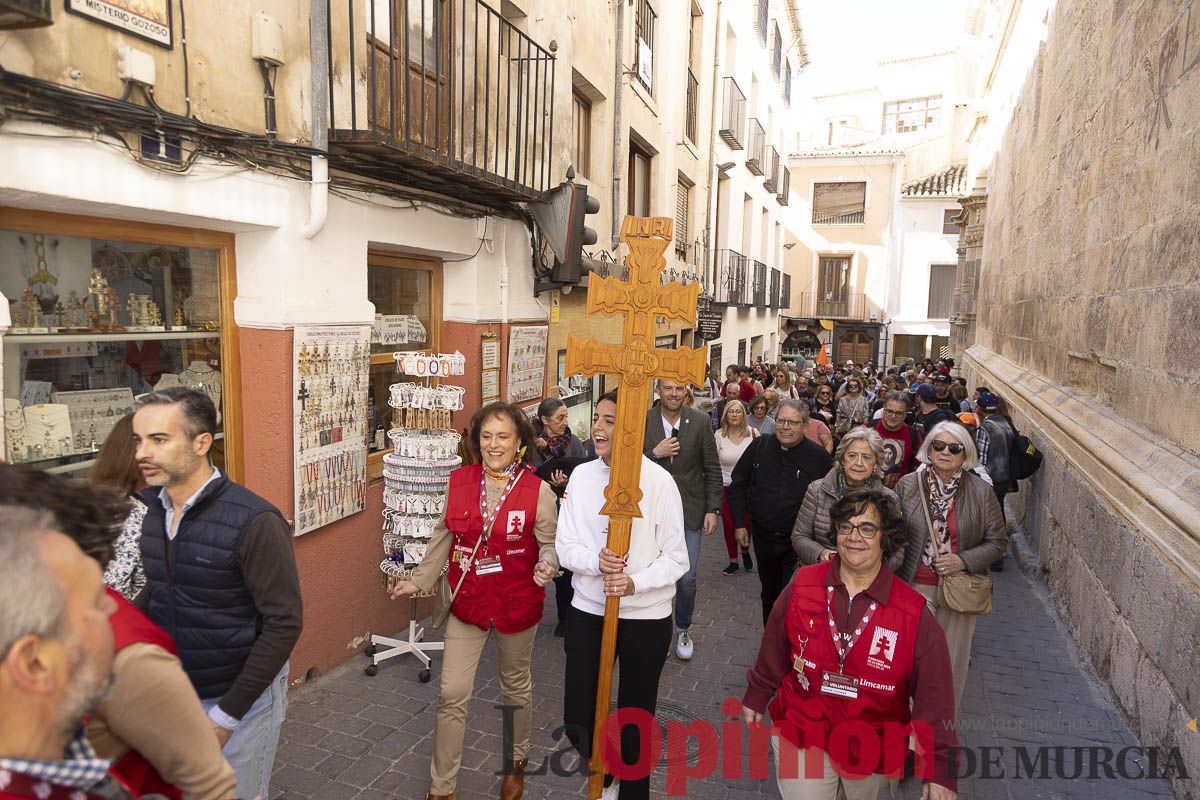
(848, 218)
(771, 170)
(729, 285)
(756, 147)
(785, 187)
(760, 284)
(760, 20)
(785, 292)
(733, 114)
(832, 305)
(693, 104)
(773, 296)
(441, 95)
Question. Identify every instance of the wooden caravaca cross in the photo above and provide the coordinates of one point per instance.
(641, 299)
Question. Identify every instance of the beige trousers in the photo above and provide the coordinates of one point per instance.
(464, 646)
(960, 631)
(830, 787)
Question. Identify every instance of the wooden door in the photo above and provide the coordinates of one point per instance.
(855, 346)
(833, 287)
(412, 82)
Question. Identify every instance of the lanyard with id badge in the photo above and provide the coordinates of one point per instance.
(839, 684)
(488, 563)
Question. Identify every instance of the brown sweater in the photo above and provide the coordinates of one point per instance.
(154, 709)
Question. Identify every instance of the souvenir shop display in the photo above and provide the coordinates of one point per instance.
(330, 381)
(47, 431)
(526, 363)
(14, 430)
(200, 375)
(93, 413)
(416, 475)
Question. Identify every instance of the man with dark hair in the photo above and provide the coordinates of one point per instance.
(994, 439)
(928, 413)
(220, 578)
(941, 389)
(769, 482)
(56, 656)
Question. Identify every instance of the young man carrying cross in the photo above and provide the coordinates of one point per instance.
(644, 578)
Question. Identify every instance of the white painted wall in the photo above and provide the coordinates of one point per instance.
(922, 244)
(283, 278)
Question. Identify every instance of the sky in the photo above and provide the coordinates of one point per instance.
(846, 38)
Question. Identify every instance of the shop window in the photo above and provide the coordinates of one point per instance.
(407, 294)
(104, 311)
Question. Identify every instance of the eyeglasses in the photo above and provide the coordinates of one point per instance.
(787, 423)
(954, 447)
(867, 530)
(893, 413)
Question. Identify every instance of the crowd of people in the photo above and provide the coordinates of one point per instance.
(148, 615)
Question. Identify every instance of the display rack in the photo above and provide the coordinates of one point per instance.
(416, 476)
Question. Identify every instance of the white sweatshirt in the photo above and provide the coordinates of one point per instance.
(657, 554)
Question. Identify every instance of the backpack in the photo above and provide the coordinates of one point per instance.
(1024, 459)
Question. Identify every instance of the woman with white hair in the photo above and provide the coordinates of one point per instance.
(857, 464)
(955, 532)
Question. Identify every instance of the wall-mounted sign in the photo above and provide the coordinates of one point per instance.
(526, 363)
(708, 324)
(147, 19)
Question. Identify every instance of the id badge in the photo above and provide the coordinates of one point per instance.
(488, 565)
(839, 685)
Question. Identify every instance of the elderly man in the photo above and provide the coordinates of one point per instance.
(769, 483)
(56, 656)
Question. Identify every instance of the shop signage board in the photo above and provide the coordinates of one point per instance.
(526, 363)
(708, 324)
(330, 372)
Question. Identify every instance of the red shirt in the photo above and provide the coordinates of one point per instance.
(899, 454)
(745, 391)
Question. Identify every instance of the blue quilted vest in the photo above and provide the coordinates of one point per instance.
(198, 594)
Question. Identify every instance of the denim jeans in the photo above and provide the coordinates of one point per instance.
(685, 587)
(251, 748)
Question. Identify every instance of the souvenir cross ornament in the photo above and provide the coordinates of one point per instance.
(637, 363)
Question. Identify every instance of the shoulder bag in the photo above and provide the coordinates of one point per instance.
(961, 591)
(444, 598)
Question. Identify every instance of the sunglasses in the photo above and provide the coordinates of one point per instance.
(954, 447)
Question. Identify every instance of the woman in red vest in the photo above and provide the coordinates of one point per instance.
(498, 536)
(847, 649)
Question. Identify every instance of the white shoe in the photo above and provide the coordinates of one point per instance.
(611, 791)
(684, 647)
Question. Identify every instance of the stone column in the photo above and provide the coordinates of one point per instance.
(970, 252)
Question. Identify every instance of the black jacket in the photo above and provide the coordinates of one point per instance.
(769, 482)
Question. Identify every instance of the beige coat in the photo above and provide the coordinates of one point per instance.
(982, 536)
(813, 532)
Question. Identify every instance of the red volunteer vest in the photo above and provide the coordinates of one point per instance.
(882, 660)
(508, 599)
(22, 787)
(131, 626)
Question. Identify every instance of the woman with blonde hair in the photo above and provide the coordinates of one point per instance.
(733, 437)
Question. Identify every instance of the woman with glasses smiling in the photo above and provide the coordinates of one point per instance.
(954, 527)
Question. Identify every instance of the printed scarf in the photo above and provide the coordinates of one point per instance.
(940, 497)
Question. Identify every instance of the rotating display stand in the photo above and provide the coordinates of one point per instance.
(416, 475)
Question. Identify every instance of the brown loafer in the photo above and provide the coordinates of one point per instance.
(513, 785)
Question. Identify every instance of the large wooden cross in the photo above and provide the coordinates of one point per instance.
(641, 299)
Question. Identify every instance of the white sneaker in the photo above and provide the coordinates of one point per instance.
(684, 647)
(611, 791)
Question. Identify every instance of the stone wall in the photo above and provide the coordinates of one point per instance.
(1089, 324)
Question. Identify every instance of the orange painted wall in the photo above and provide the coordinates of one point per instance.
(339, 564)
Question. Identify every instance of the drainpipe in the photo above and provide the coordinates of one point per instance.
(318, 197)
(710, 217)
(618, 80)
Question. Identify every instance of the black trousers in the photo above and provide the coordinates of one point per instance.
(564, 593)
(1002, 488)
(776, 563)
(642, 646)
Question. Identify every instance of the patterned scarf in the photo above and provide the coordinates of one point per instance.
(557, 446)
(941, 501)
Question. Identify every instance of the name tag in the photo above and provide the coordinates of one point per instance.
(489, 565)
(839, 685)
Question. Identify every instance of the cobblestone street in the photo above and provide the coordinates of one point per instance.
(350, 736)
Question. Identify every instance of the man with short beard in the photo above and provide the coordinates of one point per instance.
(220, 578)
(56, 656)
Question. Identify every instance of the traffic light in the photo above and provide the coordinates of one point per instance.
(561, 215)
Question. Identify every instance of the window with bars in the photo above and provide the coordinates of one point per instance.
(581, 133)
(839, 203)
(643, 59)
(948, 223)
(787, 82)
(917, 114)
(776, 50)
(760, 21)
(683, 205)
(941, 290)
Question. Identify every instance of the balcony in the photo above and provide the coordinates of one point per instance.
(773, 296)
(729, 284)
(760, 20)
(771, 167)
(760, 285)
(733, 114)
(847, 218)
(785, 187)
(848, 307)
(758, 143)
(440, 95)
(693, 105)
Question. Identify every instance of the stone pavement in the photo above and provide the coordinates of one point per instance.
(351, 736)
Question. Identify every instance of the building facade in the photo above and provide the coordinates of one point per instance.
(1085, 324)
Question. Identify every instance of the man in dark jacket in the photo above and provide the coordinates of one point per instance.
(994, 438)
(680, 440)
(220, 578)
(927, 412)
(769, 483)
